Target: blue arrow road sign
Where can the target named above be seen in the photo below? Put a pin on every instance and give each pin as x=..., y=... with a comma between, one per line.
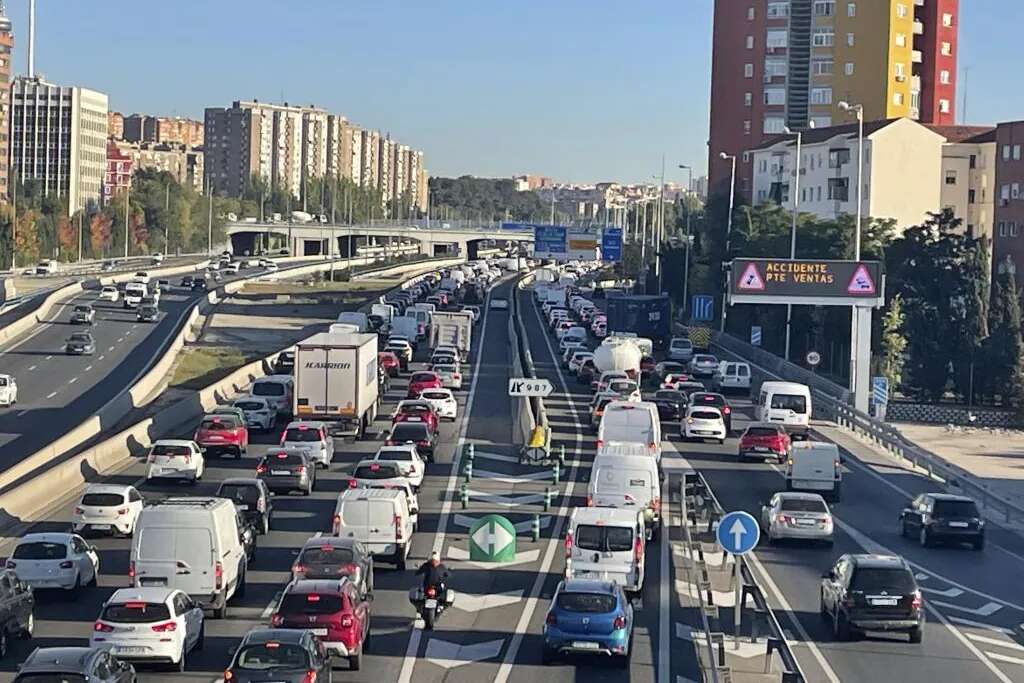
x=703, y=308
x=611, y=244
x=880, y=390
x=738, y=533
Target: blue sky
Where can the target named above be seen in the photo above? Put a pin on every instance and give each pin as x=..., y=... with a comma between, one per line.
x=581, y=90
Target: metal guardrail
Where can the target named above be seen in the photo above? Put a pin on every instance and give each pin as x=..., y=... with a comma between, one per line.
x=835, y=408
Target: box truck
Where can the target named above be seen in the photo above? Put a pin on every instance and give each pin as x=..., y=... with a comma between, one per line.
x=451, y=329
x=648, y=316
x=336, y=381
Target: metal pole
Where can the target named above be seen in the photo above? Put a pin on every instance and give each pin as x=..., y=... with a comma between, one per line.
x=860, y=179
x=737, y=619
x=14, y=220
x=661, y=225
x=209, y=223
x=792, y=232
x=728, y=226
x=167, y=228
x=686, y=262
x=552, y=206
x=127, y=204
x=80, y=215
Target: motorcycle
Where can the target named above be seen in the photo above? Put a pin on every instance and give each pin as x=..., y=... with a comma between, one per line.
x=429, y=605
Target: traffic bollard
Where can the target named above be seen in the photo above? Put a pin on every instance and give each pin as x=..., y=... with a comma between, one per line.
x=470, y=452
x=535, y=528
x=547, y=499
x=556, y=472
x=561, y=453
x=464, y=496
x=468, y=471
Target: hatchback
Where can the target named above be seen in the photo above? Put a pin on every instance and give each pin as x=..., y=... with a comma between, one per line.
x=334, y=611
x=334, y=557
x=74, y=664
x=176, y=459
x=108, y=508
x=311, y=438
x=416, y=410
x=412, y=466
x=150, y=624
x=450, y=374
x=421, y=381
x=671, y=404
x=590, y=618
x=288, y=471
x=390, y=362
x=258, y=412
x=765, y=440
x=386, y=474
x=703, y=422
x=251, y=497
x=442, y=401
x=710, y=400
x=872, y=593
x=279, y=655
x=416, y=433
x=219, y=434
x=704, y=365
x=55, y=560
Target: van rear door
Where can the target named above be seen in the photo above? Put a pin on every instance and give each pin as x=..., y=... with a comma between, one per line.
x=178, y=557
x=620, y=487
x=381, y=521
x=605, y=552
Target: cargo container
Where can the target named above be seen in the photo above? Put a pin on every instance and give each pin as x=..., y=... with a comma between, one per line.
x=451, y=329
x=336, y=381
x=648, y=316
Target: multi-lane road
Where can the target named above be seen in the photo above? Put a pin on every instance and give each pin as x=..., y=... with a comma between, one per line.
x=494, y=631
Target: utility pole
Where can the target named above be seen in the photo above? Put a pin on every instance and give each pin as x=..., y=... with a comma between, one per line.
x=689, y=213
x=80, y=215
x=728, y=226
x=209, y=222
x=14, y=219
x=167, y=228
x=661, y=225
x=127, y=206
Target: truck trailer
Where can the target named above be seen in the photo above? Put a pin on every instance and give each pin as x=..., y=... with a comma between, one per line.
x=336, y=381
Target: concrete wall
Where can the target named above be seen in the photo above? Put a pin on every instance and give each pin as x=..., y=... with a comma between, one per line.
x=905, y=173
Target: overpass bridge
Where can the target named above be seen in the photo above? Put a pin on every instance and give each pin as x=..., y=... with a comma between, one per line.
x=438, y=238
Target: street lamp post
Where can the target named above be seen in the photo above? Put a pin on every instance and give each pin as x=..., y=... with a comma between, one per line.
x=796, y=212
x=728, y=226
x=127, y=206
x=686, y=263
x=858, y=374
x=859, y=110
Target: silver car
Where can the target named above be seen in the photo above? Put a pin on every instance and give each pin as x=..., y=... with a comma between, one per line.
x=450, y=374
x=703, y=365
x=680, y=349
x=803, y=516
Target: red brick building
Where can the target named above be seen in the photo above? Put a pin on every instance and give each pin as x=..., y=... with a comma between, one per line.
x=119, y=172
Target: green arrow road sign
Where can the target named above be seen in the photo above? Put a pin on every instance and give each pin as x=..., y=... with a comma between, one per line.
x=492, y=539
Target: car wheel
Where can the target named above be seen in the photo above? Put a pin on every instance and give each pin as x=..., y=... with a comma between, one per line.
x=841, y=628
x=915, y=634
x=903, y=528
x=264, y=526
x=240, y=588
x=355, y=662
x=924, y=538
x=821, y=605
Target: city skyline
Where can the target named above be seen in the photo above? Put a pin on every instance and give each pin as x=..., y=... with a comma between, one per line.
x=578, y=109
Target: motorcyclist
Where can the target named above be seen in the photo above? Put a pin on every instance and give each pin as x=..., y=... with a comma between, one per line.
x=435, y=575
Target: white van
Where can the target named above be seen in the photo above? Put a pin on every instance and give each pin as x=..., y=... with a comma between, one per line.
x=192, y=544
x=786, y=403
x=732, y=376
x=814, y=466
x=606, y=544
x=360, y=320
x=631, y=449
x=629, y=483
x=631, y=421
x=379, y=519
x=277, y=390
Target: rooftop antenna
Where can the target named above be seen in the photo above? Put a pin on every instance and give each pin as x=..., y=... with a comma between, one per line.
x=31, y=38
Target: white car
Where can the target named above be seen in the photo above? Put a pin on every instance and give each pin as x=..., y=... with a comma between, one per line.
x=577, y=360
x=450, y=350
x=55, y=560
x=8, y=390
x=108, y=507
x=413, y=467
x=258, y=411
x=141, y=276
x=157, y=258
x=795, y=515
x=110, y=293
x=386, y=474
x=176, y=459
x=625, y=389
x=270, y=267
x=152, y=624
x=442, y=401
x=451, y=375
x=311, y=437
x=704, y=422
x=499, y=304
x=234, y=267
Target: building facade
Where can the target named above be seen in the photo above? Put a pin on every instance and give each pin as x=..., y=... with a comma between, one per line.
x=788, y=63
x=6, y=50
x=115, y=125
x=969, y=176
x=119, y=171
x=59, y=137
x=161, y=129
x=1007, y=242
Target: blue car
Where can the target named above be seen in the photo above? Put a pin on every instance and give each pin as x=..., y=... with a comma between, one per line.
x=589, y=617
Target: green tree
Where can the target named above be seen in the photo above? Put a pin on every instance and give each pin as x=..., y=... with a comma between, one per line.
x=1004, y=349
x=894, y=343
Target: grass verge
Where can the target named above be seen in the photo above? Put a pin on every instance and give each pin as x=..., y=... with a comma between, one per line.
x=201, y=366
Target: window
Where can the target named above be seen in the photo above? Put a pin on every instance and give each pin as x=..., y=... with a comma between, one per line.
x=750, y=42
x=849, y=68
x=839, y=189
x=775, y=96
x=901, y=40
x=750, y=14
x=821, y=95
x=776, y=38
x=900, y=70
x=748, y=99
x=821, y=67
x=761, y=196
x=849, y=39
x=774, y=67
x=1006, y=152
x=901, y=10
x=1016, y=152
x=838, y=157
x=746, y=157
x=1012, y=228
x=944, y=106
x=1004, y=193
x=746, y=127
x=951, y=177
x=973, y=161
x=748, y=70
x=777, y=10
x=944, y=77
x=947, y=49
x=823, y=37
x=851, y=9
x=818, y=193
x=1015, y=191
x=824, y=8
x=763, y=166
x=897, y=98
x=773, y=125
x=821, y=122
x=947, y=19
x=970, y=196
x=1002, y=229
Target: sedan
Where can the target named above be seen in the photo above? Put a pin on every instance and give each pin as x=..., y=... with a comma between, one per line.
x=803, y=516
x=108, y=508
x=334, y=557
x=150, y=624
x=704, y=365
x=671, y=404
x=288, y=471
x=110, y=293
x=451, y=376
x=443, y=402
x=421, y=381
x=590, y=618
x=80, y=344
x=55, y=560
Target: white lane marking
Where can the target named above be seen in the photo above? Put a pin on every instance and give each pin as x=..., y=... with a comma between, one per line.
x=505, y=670
x=51, y=394
x=127, y=333
x=986, y=610
x=21, y=413
x=977, y=624
x=31, y=367
x=119, y=340
x=101, y=358
x=49, y=357
x=995, y=641
x=88, y=368
x=664, y=644
x=413, y=648
x=948, y=593
x=269, y=609
x=450, y=655
x=968, y=644
x=112, y=348
x=1005, y=658
x=72, y=380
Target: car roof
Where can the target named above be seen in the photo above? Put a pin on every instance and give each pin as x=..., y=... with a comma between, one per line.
x=799, y=495
x=67, y=659
x=333, y=541
x=316, y=585
x=366, y=494
x=692, y=407
x=588, y=586
x=242, y=481
x=172, y=442
x=878, y=561
x=282, y=635
x=107, y=488
x=250, y=398
x=299, y=424
x=397, y=447
x=46, y=537
x=147, y=594
x=602, y=515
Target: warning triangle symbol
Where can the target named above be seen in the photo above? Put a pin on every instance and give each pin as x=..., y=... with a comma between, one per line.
x=751, y=279
x=861, y=282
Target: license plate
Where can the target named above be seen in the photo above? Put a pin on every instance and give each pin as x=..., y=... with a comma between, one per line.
x=884, y=602
x=583, y=645
x=280, y=472
x=958, y=525
x=805, y=522
x=101, y=527
x=701, y=431
x=319, y=631
x=155, y=581
x=430, y=604
x=761, y=449
x=131, y=650
x=243, y=507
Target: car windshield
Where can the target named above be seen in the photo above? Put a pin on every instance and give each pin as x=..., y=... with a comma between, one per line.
x=669, y=396
x=877, y=579
x=708, y=399
x=40, y=550
x=326, y=554
x=762, y=431
x=803, y=505
x=272, y=655
x=136, y=612
x=166, y=449
x=82, y=309
x=604, y=538
x=682, y=344
x=955, y=508
x=309, y=603
x=102, y=499
x=217, y=425
x=284, y=460
x=435, y=395
x=422, y=377
x=589, y=603
x=243, y=493
x=704, y=360
x=377, y=471
x=445, y=368
x=409, y=431
x=301, y=435
x=81, y=338
x=250, y=405
x=794, y=402
x=394, y=454
x=268, y=389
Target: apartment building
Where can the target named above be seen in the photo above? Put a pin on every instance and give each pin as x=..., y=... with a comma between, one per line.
x=788, y=63
x=118, y=177
x=59, y=137
x=1007, y=240
x=161, y=129
x=115, y=125
x=6, y=49
x=969, y=176
x=385, y=169
x=370, y=152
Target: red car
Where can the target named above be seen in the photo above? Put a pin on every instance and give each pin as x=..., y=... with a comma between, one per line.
x=421, y=381
x=223, y=434
x=333, y=610
x=389, y=362
x=416, y=411
x=764, y=440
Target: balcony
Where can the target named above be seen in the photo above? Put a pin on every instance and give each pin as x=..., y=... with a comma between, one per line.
x=918, y=28
x=916, y=57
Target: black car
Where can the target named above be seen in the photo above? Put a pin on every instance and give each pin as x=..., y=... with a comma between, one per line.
x=16, y=605
x=80, y=344
x=147, y=313
x=284, y=364
x=288, y=471
x=96, y=665
x=938, y=517
x=706, y=398
x=279, y=654
x=332, y=557
x=199, y=284
x=187, y=282
x=671, y=404
x=252, y=497
x=872, y=593
x=414, y=433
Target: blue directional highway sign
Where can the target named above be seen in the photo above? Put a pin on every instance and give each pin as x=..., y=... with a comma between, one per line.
x=738, y=533
x=703, y=308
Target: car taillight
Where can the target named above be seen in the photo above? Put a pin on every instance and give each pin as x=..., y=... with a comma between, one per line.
x=422, y=443
x=568, y=544
x=784, y=519
x=165, y=627
x=298, y=569
x=100, y=627
x=123, y=511
x=431, y=592
x=276, y=620
x=302, y=469
x=131, y=569
x=916, y=602
x=310, y=677
x=397, y=521
x=352, y=483
x=652, y=445
x=638, y=550
x=188, y=459
x=151, y=458
x=218, y=574
x=67, y=564
x=619, y=623
x=551, y=619
x=456, y=376
x=228, y=675
x=349, y=569
x=655, y=504
x=600, y=442
x=261, y=505
x=261, y=469
x=79, y=511
x=11, y=564
x=726, y=410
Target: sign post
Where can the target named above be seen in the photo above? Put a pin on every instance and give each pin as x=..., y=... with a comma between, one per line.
x=738, y=534
x=813, y=359
x=492, y=539
x=529, y=386
x=880, y=395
